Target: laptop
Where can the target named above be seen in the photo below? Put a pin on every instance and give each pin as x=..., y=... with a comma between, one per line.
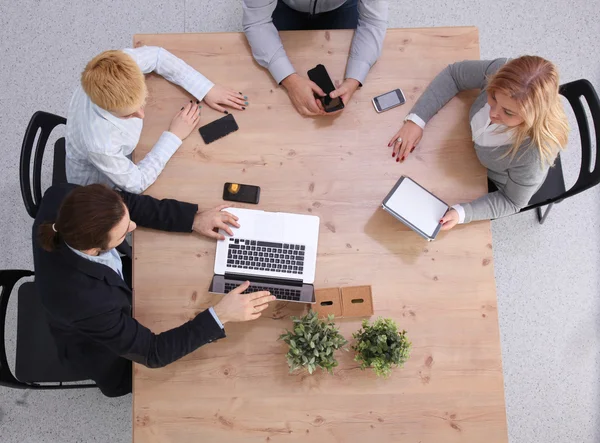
x=274, y=251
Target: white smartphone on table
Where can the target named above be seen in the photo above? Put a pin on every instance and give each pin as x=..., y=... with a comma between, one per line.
x=389, y=100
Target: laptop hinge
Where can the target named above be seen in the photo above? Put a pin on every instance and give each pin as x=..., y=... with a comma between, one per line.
x=263, y=279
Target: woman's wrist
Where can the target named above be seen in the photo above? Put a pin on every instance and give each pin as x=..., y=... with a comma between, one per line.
x=461, y=213
x=415, y=119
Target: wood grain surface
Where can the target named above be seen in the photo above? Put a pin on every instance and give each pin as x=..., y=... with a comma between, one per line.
x=339, y=168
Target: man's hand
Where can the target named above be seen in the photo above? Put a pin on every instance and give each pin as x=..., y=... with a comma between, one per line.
x=302, y=94
x=185, y=120
x=206, y=222
x=236, y=306
x=346, y=90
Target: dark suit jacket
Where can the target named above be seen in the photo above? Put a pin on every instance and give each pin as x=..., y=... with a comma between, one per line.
x=89, y=305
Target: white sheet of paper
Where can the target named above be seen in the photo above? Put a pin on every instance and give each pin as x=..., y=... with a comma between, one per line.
x=417, y=206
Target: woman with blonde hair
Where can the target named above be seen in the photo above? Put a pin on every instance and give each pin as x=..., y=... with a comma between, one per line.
x=518, y=126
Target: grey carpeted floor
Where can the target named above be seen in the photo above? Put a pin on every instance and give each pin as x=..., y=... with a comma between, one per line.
x=547, y=276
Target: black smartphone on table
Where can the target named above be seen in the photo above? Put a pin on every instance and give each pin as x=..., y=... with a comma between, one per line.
x=236, y=192
x=218, y=129
x=320, y=76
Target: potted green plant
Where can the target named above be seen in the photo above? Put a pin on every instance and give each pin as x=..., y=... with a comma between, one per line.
x=380, y=346
x=312, y=343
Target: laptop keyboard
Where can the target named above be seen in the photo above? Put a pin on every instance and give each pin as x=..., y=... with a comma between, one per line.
x=279, y=293
x=265, y=256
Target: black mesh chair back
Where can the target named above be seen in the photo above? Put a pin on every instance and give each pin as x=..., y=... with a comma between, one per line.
x=554, y=190
x=31, y=186
x=37, y=357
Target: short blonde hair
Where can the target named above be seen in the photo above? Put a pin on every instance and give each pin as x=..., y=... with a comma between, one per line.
x=533, y=83
x=114, y=81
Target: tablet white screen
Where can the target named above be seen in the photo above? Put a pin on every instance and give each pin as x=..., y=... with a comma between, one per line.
x=417, y=206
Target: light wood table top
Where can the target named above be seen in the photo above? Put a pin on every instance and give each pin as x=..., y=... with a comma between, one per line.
x=339, y=168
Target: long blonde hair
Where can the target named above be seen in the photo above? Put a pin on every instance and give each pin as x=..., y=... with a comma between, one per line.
x=533, y=83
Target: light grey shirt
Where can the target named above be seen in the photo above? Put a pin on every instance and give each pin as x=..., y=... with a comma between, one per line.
x=268, y=49
x=517, y=178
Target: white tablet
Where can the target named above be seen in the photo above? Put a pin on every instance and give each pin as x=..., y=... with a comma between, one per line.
x=416, y=207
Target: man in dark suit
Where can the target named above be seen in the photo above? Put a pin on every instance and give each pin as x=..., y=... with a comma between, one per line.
x=85, y=286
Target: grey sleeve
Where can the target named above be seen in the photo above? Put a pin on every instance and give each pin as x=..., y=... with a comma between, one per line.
x=523, y=182
x=460, y=76
x=263, y=38
x=367, y=42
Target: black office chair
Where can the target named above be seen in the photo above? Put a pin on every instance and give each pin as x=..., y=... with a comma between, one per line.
x=45, y=123
x=553, y=190
x=37, y=357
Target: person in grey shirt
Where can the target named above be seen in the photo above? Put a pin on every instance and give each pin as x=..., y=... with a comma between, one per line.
x=517, y=122
x=264, y=18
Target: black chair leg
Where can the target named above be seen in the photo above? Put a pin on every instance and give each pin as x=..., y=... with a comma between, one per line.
x=542, y=217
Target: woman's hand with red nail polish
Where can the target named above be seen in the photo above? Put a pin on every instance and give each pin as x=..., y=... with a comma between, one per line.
x=409, y=135
x=449, y=220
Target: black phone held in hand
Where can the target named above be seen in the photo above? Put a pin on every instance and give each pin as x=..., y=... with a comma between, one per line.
x=236, y=192
x=320, y=76
x=218, y=129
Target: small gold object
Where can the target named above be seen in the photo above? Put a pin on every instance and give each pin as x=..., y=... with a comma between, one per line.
x=234, y=188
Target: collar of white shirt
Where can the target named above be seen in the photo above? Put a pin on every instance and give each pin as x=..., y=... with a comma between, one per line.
x=486, y=133
x=124, y=124
x=111, y=258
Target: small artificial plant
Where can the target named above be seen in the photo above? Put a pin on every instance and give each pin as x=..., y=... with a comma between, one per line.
x=380, y=346
x=312, y=343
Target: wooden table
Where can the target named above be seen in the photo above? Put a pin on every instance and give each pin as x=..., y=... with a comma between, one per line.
x=339, y=168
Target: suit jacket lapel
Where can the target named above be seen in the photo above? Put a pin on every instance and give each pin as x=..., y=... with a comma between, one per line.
x=125, y=249
x=96, y=270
